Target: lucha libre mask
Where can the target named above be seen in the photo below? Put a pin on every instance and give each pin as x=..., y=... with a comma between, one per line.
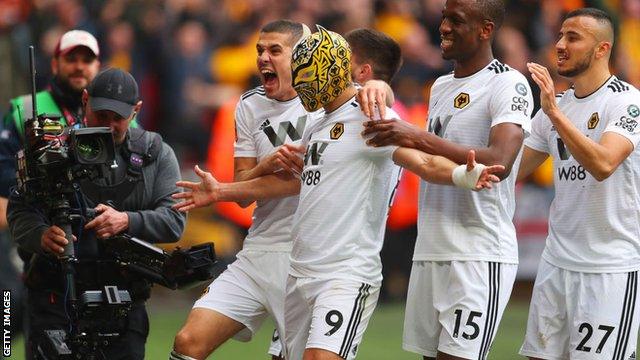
x=321, y=66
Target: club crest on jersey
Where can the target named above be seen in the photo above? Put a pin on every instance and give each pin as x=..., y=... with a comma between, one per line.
x=461, y=100
x=594, y=119
x=633, y=110
x=336, y=131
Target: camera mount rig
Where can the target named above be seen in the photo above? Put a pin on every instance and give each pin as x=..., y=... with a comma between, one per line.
x=50, y=167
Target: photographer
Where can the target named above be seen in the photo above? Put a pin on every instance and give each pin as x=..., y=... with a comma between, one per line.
x=133, y=198
x=74, y=64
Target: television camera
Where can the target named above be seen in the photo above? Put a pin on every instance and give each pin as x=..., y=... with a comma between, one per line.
x=50, y=167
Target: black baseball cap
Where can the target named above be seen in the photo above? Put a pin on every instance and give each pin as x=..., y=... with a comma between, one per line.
x=113, y=89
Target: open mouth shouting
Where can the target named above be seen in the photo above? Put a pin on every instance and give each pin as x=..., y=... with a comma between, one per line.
x=269, y=79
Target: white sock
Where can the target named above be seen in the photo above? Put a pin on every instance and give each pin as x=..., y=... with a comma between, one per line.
x=177, y=356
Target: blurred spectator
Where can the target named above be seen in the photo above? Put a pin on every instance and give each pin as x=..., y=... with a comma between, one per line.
x=187, y=67
x=14, y=36
x=628, y=57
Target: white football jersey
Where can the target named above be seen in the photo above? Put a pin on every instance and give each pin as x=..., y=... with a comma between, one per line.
x=459, y=224
x=346, y=190
x=262, y=125
x=593, y=226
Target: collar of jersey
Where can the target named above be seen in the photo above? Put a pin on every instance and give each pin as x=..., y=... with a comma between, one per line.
x=465, y=78
x=341, y=107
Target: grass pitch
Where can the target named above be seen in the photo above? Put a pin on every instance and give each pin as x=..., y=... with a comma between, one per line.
x=382, y=341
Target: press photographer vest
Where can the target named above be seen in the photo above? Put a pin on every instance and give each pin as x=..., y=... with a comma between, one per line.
x=22, y=108
x=141, y=148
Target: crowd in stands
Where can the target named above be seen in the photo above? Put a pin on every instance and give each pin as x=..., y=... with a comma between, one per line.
x=194, y=56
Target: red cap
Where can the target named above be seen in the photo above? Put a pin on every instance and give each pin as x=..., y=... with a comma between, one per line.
x=74, y=38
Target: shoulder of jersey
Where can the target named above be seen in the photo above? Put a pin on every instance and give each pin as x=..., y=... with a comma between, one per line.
x=618, y=86
x=499, y=68
x=442, y=78
x=348, y=113
x=505, y=72
x=255, y=91
x=354, y=105
x=440, y=81
x=563, y=93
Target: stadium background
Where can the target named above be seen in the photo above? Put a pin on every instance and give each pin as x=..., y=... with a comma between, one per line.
x=193, y=58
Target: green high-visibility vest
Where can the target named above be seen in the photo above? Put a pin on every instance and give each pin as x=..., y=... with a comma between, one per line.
x=22, y=108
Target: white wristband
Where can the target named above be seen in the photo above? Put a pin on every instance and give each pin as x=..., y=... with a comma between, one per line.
x=467, y=179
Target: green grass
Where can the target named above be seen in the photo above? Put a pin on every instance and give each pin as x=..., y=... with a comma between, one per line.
x=382, y=341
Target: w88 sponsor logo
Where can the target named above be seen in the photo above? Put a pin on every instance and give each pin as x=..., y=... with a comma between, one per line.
x=311, y=177
x=572, y=173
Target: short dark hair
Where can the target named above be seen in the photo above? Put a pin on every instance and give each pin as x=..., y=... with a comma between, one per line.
x=601, y=16
x=284, y=26
x=492, y=10
x=377, y=48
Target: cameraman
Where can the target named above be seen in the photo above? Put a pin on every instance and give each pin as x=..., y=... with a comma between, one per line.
x=139, y=190
x=74, y=64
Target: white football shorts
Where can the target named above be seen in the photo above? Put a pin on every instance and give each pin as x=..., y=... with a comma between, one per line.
x=329, y=314
x=249, y=290
x=577, y=315
x=455, y=307
x=275, y=348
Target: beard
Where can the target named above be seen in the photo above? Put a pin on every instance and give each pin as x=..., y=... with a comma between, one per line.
x=581, y=66
x=66, y=86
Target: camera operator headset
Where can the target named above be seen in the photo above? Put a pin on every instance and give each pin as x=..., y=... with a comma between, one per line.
x=139, y=193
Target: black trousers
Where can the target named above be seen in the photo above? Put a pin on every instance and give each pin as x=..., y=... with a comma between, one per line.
x=45, y=311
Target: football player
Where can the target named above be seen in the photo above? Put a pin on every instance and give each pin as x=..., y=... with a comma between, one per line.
x=345, y=189
x=584, y=303
x=466, y=254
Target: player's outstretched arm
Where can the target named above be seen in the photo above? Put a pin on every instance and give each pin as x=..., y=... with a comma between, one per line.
x=440, y=170
x=209, y=190
x=601, y=158
x=505, y=140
